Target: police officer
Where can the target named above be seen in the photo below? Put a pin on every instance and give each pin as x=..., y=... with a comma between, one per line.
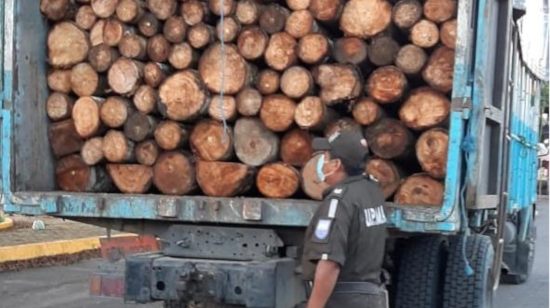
x=345, y=242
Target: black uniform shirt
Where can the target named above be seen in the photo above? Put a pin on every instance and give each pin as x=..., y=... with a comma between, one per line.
x=348, y=228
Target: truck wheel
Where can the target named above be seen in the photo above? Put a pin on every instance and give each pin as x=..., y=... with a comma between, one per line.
x=420, y=276
x=526, y=252
x=476, y=290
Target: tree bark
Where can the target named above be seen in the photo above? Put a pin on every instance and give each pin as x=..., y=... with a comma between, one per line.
x=171, y=135
x=114, y=30
x=101, y=57
x=278, y=180
x=229, y=108
x=147, y=152
x=56, y=10
x=162, y=9
x=85, y=80
x=235, y=71
x=131, y=179
x=255, y=145
x=312, y=114
x=104, y=8
x=146, y=99
x=154, y=73
x=365, y=18
x=339, y=125
x=301, y=23
x=125, y=76
x=64, y=139
x=439, y=70
x=96, y=33
x=425, y=108
x=296, y=147
x=389, y=139
x=201, y=35
x=297, y=82
x=158, y=48
x=67, y=45
x=440, y=10
x=386, y=84
x=252, y=43
x=86, y=116
x=175, y=29
x=92, y=151
x=338, y=83
x=277, y=112
x=183, y=96
x=448, y=33
x=350, y=50
x=133, y=46
x=148, y=25
x=85, y=17
x=366, y=111
x=115, y=111
x=209, y=141
x=425, y=34
x=268, y=81
x=383, y=50
x=139, y=127
x=281, y=51
x=431, y=151
x=387, y=173
x=60, y=81
x=248, y=12
x=194, y=12
x=130, y=11
x=117, y=148
x=59, y=106
x=221, y=179
x=72, y=174
x=249, y=102
x=313, y=48
x=411, y=59
x=310, y=182
x=406, y=13
x=327, y=11
x=228, y=7
x=273, y=18
x=183, y=56
x=231, y=30
x=420, y=189
x=174, y=173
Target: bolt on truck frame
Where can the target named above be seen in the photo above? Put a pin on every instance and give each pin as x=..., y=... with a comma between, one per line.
x=246, y=251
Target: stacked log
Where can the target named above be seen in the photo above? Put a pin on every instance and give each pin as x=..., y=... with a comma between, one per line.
x=161, y=95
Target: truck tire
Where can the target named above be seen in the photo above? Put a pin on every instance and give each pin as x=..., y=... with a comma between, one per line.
x=476, y=290
x=420, y=275
x=524, y=250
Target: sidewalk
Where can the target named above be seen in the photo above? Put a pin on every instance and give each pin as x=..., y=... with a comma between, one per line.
x=61, y=242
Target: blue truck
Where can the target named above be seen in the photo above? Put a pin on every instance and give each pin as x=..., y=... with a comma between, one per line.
x=246, y=251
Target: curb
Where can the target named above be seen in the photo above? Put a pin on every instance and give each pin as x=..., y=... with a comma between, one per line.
x=48, y=249
x=6, y=224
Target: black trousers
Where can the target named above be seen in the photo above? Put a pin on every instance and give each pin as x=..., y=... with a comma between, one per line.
x=356, y=300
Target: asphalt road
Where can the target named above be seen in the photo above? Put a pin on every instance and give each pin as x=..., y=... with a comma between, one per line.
x=67, y=287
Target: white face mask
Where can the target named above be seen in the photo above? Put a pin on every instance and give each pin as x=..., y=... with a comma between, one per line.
x=320, y=174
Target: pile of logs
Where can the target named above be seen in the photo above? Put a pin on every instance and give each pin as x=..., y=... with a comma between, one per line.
x=160, y=96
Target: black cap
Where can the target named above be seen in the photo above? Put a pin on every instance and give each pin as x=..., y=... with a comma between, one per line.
x=348, y=146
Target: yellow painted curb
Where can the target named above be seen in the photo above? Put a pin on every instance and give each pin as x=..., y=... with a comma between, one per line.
x=6, y=224
x=48, y=249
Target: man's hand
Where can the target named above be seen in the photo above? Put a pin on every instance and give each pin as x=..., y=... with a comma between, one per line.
x=326, y=275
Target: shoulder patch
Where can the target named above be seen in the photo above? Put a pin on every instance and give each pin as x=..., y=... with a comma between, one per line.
x=322, y=230
x=375, y=216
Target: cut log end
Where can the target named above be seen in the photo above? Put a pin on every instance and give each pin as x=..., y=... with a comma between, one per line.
x=338, y=83
x=389, y=139
x=431, y=151
x=406, y=13
x=231, y=29
x=300, y=23
x=235, y=70
x=255, y=145
x=387, y=174
x=249, y=102
x=113, y=31
x=117, y=148
x=85, y=17
x=226, y=6
x=313, y=48
x=182, y=56
x=171, y=135
x=252, y=43
x=194, y=12
x=131, y=179
x=383, y=50
x=146, y=99
x=162, y=9
x=67, y=45
x=59, y=106
x=154, y=73
x=200, y=35
x=114, y=111
x=86, y=115
x=223, y=110
x=273, y=18
x=183, y=96
x=326, y=11
x=175, y=29
x=268, y=82
x=133, y=46
x=281, y=51
x=158, y=48
x=342, y=124
x=296, y=148
x=296, y=82
x=420, y=189
x=425, y=108
x=439, y=70
x=386, y=84
x=277, y=112
x=297, y=5
x=221, y=179
x=96, y=33
x=411, y=59
x=92, y=151
x=104, y=8
x=365, y=18
x=210, y=141
x=350, y=50
x=425, y=34
x=60, y=81
x=278, y=180
x=147, y=152
x=64, y=139
x=247, y=12
x=130, y=11
x=174, y=174
x=55, y=10
x=101, y=57
x=448, y=33
x=85, y=81
x=311, y=113
x=366, y=111
x=148, y=25
x=125, y=76
x=139, y=127
x=440, y=10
